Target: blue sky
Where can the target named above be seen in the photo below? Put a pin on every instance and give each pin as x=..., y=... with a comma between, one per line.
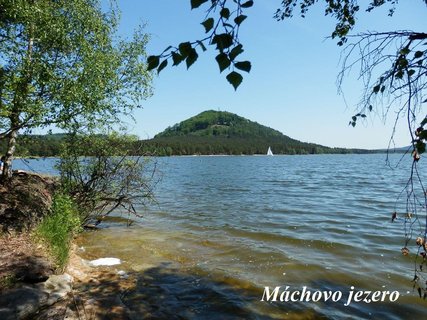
x=292, y=84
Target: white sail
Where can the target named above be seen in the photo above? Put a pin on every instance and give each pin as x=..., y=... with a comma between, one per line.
x=269, y=152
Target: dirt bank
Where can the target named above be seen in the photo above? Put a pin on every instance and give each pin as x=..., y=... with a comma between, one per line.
x=25, y=200
x=23, y=203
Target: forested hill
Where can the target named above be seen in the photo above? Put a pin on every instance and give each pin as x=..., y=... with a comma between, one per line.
x=210, y=132
x=220, y=123
x=220, y=132
x=48, y=145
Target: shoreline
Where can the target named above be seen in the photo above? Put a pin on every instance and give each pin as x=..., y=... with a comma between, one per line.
x=368, y=152
x=97, y=291
x=80, y=291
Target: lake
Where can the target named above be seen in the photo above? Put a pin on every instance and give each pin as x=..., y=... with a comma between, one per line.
x=226, y=227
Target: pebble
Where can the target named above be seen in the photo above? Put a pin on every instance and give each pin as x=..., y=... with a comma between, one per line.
x=122, y=274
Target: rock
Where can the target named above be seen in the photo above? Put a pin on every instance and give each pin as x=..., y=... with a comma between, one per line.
x=90, y=226
x=58, y=287
x=36, y=269
x=59, y=282
x=122, y=274
x=58, y=311
x=25, y=302
x=7, y=313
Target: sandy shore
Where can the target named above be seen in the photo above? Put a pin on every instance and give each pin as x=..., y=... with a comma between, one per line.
x=96, y=292
x=30, y=290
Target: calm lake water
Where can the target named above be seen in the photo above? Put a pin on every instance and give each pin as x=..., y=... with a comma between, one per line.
x=224, y=228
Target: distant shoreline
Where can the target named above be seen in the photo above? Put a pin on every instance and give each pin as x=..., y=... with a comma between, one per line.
x=233, y=155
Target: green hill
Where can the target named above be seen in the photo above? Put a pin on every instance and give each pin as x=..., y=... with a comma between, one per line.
x=220, y=123
x=220, y=132
x=210, y=132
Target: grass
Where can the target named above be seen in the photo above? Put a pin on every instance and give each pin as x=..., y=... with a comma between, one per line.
x=58, y=228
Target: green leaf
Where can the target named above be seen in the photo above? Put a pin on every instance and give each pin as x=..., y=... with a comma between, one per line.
x=167, y=49
x=185, y=48
x=404, y=51
x=239, y=19
x=370, y=108
x=223, y=61
x=247, y=4
x=192, y=57
x=225, y=13
x=162, y=66
x=243, y=65
x=423, y=134
x=208, y=24
x=403, y=63
x=421, y=147
x=235, y=79
x=223, y=41
x=153, y=62
x=177, y=58
x=424, y=122
x=411, y=72
x=376, y=89
x=197, y=3
x=235, y=52
x=418, y=54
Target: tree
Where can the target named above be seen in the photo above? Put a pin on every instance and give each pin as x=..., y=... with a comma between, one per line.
x=101, y=174
x=62, y=64
x=393, y=66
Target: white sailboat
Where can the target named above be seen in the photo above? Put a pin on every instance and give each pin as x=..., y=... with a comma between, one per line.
x=269, y=152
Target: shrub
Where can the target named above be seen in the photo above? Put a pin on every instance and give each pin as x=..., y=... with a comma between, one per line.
x=102, y=175
x=58, y=227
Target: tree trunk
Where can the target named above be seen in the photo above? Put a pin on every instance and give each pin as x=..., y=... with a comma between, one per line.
x=7, y=165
